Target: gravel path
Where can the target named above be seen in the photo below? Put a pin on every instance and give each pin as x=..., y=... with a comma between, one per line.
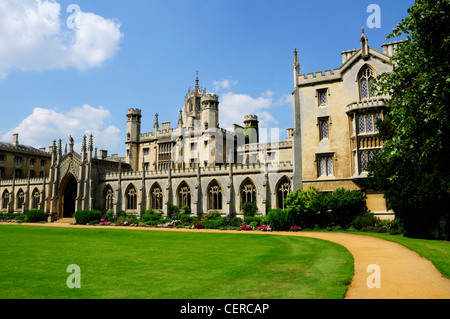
x=403, y=274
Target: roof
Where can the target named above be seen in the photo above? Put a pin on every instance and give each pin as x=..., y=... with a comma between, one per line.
x=23, y=149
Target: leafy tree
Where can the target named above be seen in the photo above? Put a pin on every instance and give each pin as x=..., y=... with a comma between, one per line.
x=413, y=168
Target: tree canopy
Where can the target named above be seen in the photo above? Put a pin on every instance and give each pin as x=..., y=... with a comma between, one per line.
x=413, y=168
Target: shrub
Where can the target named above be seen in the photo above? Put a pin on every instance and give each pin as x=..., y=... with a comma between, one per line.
x=364, y=220
x=295, y=228
x=211, y=215
x=83, y=217
x=280, y=219
x=212, y=223
x=186, y=209
x=35, y=216
x=249, y=209
x=346, y=205
x=150, y=216
x=185, y=218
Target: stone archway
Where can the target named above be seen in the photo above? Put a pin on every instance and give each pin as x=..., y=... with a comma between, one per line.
x=68, y=197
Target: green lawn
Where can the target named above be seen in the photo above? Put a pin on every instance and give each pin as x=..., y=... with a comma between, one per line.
x=125, y=263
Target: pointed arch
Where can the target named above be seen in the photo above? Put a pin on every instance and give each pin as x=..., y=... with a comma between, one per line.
x=108, y=195
x=20, y=199
x=215, y=195
x=366, y=82
x=131, y=197
x=68, y=193
x=248, y=191
x=5, y=199
x=184, y=194
x=282, y=189
x=36, y=198
x=156, y=196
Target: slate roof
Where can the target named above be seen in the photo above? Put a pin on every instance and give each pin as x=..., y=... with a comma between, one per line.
x=23, y=149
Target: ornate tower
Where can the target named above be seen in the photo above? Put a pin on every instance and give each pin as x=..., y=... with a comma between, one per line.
x=133, y=137
x=210, y=111
x=251, y=129
x=192, y=104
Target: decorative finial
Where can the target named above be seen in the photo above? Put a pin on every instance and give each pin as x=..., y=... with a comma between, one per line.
x=156, y=124
x=196, y=81
x=180, y=118
x=296, y=63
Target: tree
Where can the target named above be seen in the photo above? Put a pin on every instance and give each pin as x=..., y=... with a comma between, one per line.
x=413, y=167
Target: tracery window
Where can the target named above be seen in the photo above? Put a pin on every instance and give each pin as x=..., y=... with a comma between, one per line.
x=20, y=199
x=131, y=198
x=248, y=192
x=215, y=196
x=36, y=199
x=109, y=199
x=5, y=199
x=184, y=195
x=284, y=188
x=366, y=83
x=156, y=196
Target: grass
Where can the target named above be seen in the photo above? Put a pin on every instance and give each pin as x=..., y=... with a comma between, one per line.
x=436, y=251
x=141, y=264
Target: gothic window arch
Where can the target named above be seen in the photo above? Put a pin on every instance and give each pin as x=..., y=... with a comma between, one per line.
x=366, y=81
x=36, y=199
x=283, y=189
x=131, y=196
x=5, y=199
x=215, y=195
x=184, y=195
x=109, y=198
x=20, y=199
x=248, y=192
x=156, y=197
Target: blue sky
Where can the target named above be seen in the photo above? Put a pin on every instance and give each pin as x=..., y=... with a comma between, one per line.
x=56, y=81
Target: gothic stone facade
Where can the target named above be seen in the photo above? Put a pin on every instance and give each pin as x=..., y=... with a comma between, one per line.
x=198, y=164
x=335, y=116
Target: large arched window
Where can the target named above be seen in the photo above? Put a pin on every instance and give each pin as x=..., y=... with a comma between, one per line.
x=109, y=198
x=20, y=199
x=156, y=196
x=184, y=195
x=283, y=189
x=248, y=192
x=36, y=199
x=366, y=83
x=214, y=196
x=5, y=199
x=131, y=198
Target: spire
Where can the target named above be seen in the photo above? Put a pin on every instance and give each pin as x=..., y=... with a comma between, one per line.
x=364, y=44
x=156, y=124
x=196, y=82
x=296, y=63
x=296, y=67
x=180, y=118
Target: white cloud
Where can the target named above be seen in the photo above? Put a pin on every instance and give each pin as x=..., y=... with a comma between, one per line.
x=233, y=108
x=223, y=84
x=33, y=36
x=44, y=125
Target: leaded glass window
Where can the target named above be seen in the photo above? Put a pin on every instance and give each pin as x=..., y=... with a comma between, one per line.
x=367, y=83
x=369, y=123
x=5, y=199
x=363, y=161
x=323, y=97
x=109, y=199
x=323, y=129
x=326, y=166
x=361, y=124
x=20, y=199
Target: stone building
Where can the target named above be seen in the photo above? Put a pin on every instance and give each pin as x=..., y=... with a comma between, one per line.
x=198, y=164
x=335, y=122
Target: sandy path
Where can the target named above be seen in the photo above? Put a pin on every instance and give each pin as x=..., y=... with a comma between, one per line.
x=403, y=273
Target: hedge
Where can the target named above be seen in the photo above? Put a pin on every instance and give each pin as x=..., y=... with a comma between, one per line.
x=83, y=217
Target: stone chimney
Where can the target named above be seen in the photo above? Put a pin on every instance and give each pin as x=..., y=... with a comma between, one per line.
x=103, y=154
x=15, y=140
